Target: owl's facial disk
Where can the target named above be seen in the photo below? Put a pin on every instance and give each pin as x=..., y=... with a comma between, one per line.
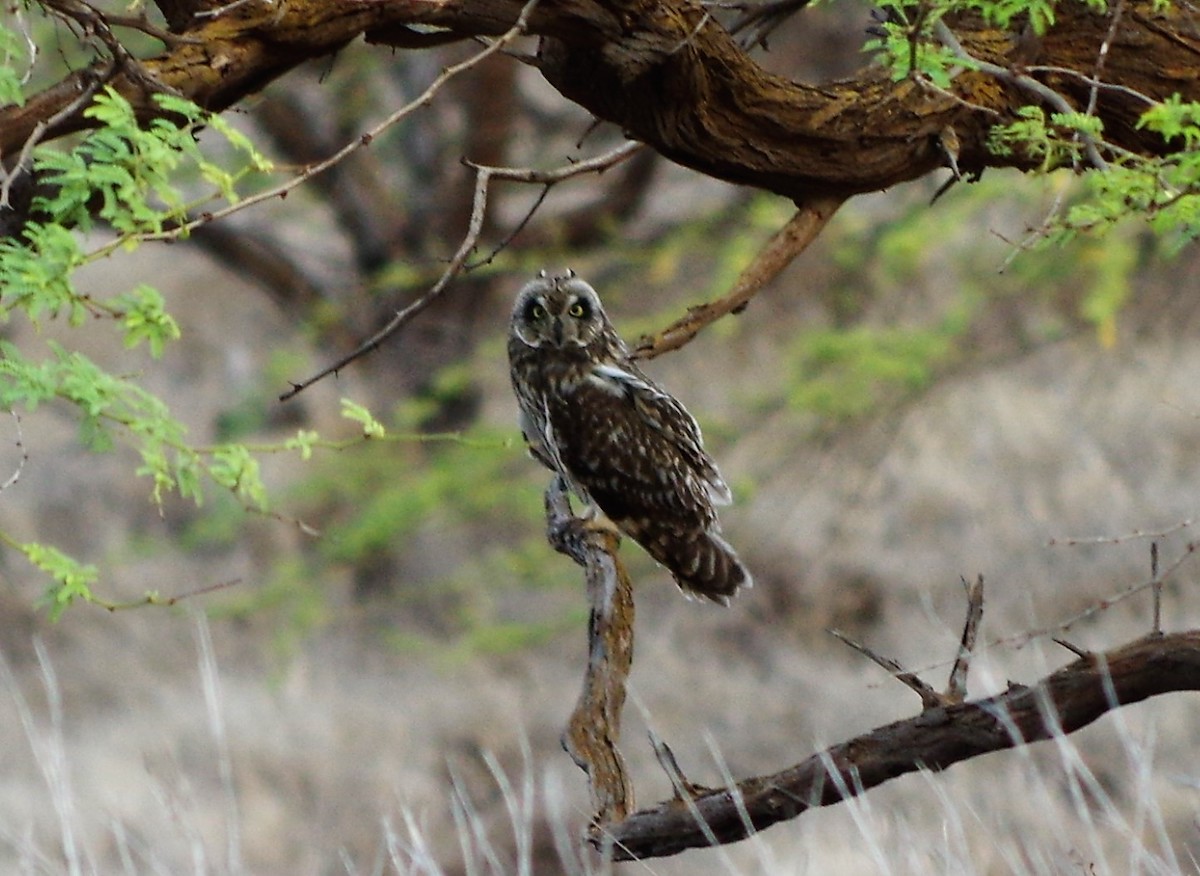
x=563, y=316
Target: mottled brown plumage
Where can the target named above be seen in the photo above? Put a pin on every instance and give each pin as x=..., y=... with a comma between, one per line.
x=622, y=443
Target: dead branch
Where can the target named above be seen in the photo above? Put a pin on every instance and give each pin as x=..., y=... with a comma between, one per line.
x=956, y=687
x=595, y=727
x=406, y=314
x=1063, y=702
x=931, y=698
x=779, y=252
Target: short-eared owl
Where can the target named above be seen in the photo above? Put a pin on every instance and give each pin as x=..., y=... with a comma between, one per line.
x=623, y=444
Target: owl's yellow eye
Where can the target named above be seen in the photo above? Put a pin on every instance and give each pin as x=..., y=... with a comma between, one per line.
x=578, y=310
x=537, y=311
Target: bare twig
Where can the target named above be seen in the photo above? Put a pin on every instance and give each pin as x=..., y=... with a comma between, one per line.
x=1093, y=83
x=153, y=597
x=1074, y=649
x=930, y=698
x=548, y=179
x=1118, y=8
x=405, y=315
x=956, y=688
x=1053, y=631
x=474, y=227
x=685, y=789
x=220, y=10
x=92, y=22
x=598, y=164
x=1156, y=589
x=7, y=178
x=1070, y=541
x=787, y=243
x=1063, y=702
x=20, y=444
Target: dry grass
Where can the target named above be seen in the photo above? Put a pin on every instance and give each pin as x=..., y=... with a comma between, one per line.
x=228, y=776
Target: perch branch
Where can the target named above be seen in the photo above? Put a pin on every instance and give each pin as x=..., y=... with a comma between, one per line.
x=594, y=729
x=787, y=243
x=1066, y=700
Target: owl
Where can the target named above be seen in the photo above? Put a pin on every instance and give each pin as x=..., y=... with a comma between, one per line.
x=622, y=443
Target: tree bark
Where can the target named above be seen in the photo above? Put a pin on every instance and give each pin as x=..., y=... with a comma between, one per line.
x=670, y=75
x=1063, y=702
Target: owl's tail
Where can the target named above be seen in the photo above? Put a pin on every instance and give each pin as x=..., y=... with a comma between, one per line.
x=702, y=563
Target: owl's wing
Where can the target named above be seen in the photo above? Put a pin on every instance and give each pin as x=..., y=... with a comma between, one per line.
x=664, y=420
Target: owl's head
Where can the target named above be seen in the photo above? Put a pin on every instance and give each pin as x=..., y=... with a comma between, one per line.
x=561, y=312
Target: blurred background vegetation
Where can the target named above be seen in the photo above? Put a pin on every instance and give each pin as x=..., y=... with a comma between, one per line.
x=922, y=394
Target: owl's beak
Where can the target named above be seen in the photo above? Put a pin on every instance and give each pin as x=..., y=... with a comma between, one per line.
x=558, y=332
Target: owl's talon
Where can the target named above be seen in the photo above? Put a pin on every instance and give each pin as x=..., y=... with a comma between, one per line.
x=593, y=521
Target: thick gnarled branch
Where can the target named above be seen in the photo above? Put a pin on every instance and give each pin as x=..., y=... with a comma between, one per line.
x=1063, y=702
x=671, y=76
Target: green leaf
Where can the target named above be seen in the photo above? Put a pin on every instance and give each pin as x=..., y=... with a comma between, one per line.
x=235, y=469
x=371, y=427
x=303, y=441
x=13, y=51
x=72, y=579
x=145, y=319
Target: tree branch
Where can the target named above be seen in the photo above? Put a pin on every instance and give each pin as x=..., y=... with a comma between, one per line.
x=595, y=727
x=1063, y=702
x=779, y=252
x=668, y=74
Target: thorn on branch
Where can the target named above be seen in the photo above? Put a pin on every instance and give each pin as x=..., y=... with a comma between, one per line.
x=685, y=789
x=1074, y=649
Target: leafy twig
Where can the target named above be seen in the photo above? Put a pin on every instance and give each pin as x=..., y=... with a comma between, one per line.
x=1026, y=83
